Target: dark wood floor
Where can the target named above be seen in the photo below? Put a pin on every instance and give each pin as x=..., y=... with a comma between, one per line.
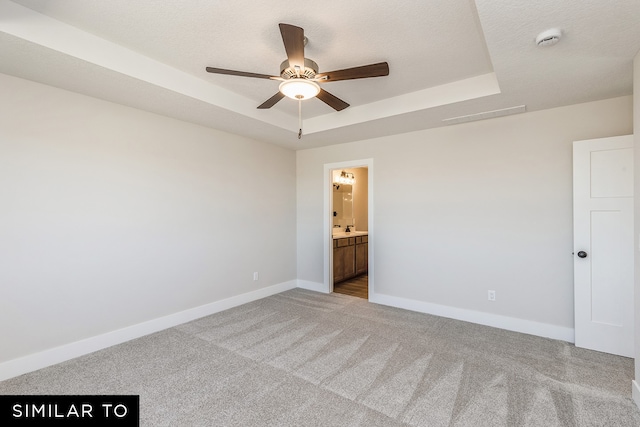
x=356, y=287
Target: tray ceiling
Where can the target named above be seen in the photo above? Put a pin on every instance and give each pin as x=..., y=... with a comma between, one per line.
x=446, y=59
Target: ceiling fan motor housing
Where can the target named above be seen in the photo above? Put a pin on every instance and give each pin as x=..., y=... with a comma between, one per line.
x=309, y=72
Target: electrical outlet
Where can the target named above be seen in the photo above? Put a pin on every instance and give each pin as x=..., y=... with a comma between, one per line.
x=491, y=295
x=255, y=275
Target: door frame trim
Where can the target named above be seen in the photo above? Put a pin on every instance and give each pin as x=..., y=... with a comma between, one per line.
x=327, y=220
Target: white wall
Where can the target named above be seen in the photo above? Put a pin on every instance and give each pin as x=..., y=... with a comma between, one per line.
x=636, y=125
x=110, y=216
x=463, y=209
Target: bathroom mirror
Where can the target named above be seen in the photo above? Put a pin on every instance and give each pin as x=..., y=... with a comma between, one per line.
x=342, y=205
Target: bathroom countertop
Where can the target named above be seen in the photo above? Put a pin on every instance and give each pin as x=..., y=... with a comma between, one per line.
x=342, y=234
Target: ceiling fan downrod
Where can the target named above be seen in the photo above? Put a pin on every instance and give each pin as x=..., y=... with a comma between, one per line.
x=299, y=117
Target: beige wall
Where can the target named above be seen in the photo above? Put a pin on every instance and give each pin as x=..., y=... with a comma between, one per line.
x=360, y=199
x=463, y=209
x=112, y=217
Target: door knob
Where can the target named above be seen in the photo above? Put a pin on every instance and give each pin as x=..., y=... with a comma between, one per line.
x=582, y=254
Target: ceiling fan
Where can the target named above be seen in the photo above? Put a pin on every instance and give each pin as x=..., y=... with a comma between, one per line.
x=299, y=76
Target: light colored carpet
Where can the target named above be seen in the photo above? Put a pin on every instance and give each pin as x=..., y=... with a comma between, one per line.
x=302, y=358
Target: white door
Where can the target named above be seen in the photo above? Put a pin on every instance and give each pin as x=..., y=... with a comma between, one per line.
x=603, y=244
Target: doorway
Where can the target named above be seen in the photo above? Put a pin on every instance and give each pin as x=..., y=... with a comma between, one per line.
x=348, y=226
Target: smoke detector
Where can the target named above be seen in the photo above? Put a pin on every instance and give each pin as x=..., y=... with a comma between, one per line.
x=549, y=37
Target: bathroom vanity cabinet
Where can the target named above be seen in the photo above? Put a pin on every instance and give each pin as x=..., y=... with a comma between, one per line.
x=362, y=255
x=350, y=257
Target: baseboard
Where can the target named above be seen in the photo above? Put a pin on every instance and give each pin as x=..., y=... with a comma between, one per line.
x=32, y=362
x=635, y=392
x=313, y=286
x=488, y=319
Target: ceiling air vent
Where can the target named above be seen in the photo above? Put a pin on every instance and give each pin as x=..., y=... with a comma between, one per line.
x=485, y=115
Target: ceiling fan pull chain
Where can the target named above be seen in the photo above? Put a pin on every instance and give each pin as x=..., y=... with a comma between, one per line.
x=300, y=118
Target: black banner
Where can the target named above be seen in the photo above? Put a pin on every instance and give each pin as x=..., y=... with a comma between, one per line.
x=68, y=410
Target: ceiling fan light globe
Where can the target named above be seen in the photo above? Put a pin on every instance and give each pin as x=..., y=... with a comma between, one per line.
x=299, y=88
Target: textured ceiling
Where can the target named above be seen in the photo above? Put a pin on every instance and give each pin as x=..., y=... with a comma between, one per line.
x=446, y=59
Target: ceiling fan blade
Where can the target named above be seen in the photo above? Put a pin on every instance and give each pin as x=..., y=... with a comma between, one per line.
x=239, y=73
x=293, y=39
x=332, y=100
x=271, y=101
x=373, y=70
